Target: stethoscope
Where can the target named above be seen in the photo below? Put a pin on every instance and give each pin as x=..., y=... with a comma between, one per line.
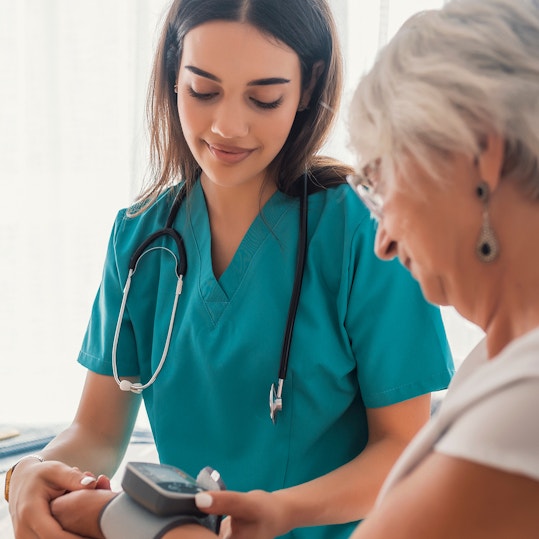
x=276, y=391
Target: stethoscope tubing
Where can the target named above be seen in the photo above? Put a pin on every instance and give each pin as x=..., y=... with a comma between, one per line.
x=181, y=270
x=298, y=280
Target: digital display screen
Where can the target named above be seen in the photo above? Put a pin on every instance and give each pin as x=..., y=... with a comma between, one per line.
x=164, y=475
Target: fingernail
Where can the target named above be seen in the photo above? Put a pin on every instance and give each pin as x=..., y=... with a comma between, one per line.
x=203, y=500
x=87, y=480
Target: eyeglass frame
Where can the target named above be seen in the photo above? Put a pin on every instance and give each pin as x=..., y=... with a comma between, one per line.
x=365, y=188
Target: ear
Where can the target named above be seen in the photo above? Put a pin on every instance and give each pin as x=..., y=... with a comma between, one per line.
x=317, y=70
x=491, y=160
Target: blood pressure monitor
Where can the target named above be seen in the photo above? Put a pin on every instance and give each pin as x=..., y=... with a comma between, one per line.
x=165, y=490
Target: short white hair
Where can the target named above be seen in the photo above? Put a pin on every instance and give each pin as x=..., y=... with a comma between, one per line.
x=447, y=79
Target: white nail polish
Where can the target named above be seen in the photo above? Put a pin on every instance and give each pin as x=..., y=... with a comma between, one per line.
x=203, y=500
x=87, y=480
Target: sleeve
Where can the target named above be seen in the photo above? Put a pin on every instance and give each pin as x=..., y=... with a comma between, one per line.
x=397, y=337
x=96, y=350
x=500, y=431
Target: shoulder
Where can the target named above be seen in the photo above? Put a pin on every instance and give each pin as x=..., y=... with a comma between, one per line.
x=341, y=230
x=132, y=221
x=338, y=207
x=506, y=388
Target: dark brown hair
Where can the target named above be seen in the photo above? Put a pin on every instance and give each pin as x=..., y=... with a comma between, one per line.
x=308, y=28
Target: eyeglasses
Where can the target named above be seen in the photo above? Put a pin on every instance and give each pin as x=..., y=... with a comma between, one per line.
x=365, y=185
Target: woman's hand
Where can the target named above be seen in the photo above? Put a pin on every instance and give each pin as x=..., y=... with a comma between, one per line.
x=252, y=515
x=33, y=486
x=78, y=512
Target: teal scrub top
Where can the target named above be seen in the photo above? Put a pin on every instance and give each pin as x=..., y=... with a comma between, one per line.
x=364, y=337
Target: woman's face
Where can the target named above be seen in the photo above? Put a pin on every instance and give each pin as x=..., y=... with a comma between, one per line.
x=433, y=228
x=238, y=94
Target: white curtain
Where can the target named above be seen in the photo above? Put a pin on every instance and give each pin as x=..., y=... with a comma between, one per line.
x=73, y=84
x=365, y=26
x=73, y=151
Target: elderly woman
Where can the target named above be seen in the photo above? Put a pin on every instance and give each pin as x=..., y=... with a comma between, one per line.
x=446, y=127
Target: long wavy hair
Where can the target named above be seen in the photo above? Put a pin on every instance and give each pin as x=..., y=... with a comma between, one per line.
x=308, y=28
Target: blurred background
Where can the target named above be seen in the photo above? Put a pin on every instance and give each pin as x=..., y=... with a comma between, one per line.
x=73, y=150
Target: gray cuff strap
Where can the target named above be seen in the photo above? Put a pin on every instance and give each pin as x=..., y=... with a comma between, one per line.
x=122, y=517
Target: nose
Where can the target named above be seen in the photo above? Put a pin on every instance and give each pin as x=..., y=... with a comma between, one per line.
x=384, y=247
x=230, y=120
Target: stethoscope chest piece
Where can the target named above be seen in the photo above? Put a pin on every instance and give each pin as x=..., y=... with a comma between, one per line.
x=276, y=400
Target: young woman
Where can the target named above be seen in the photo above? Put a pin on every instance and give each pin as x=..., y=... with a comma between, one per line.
x=280, y=287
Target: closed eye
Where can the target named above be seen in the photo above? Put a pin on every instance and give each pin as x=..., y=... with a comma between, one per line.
x=265, y=105
x=201, y=96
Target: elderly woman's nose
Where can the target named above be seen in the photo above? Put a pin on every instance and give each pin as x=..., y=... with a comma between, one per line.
x=384, y=247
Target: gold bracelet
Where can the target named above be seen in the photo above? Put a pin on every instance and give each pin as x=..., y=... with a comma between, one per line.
x=10, y=473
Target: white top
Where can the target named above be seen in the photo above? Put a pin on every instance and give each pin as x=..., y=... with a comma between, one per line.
x=489, y=414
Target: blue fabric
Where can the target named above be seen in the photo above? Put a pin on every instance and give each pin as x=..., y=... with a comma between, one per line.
x=364, y=337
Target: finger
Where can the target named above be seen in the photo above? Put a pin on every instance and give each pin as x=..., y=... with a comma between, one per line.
x=103, y=482
x=226, y=503
x=88, y=479
x=225, y=531
x=60, y=478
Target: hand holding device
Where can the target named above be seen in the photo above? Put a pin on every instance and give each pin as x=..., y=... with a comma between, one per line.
x=165, y=490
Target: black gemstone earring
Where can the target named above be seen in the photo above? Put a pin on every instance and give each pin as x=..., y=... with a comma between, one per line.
x=487, y=248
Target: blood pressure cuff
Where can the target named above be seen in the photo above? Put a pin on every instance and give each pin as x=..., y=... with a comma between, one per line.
x=124, y=518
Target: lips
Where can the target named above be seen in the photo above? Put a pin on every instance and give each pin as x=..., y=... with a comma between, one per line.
x=228, y=154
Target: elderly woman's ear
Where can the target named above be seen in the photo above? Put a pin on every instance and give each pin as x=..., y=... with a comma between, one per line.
x=490, y=160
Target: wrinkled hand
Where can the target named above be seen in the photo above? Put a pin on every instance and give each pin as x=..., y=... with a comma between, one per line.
x=252, y=515
x=78, y=512
x=33, y=486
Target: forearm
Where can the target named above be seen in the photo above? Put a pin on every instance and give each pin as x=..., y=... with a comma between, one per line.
x=345, y=494
x=82, y=447
x=349, y=492
x=97, y=439
x=190, y=531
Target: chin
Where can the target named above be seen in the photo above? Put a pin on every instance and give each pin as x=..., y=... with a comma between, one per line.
x=434, y=291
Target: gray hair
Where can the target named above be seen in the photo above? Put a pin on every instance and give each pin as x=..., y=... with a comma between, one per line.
x=447, y=79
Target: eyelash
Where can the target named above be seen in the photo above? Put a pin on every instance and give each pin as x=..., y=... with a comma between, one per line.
x=260, y=104
x=267, y=106
x=201, y=97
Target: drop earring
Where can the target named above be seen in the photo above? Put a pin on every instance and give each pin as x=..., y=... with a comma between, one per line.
x=487, y=248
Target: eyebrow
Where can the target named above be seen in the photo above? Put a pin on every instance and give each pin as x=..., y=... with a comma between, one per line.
x=258, y=82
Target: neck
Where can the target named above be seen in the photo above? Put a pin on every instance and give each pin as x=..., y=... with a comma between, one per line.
x=513, y=289
x=236, y=202
x=231, y=211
